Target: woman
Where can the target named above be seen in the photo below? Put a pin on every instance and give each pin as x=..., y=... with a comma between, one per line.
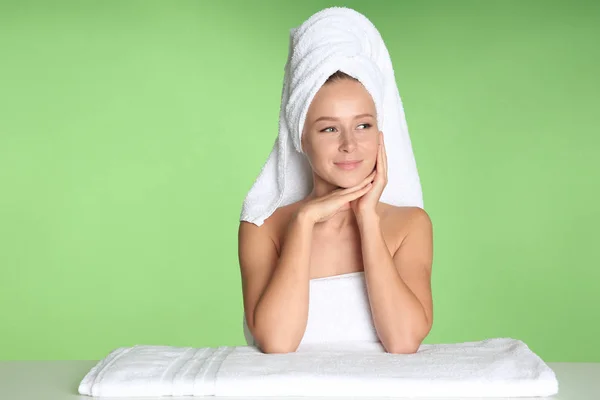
x=340, y=229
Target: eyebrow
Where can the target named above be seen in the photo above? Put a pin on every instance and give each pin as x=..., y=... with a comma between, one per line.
x=337, y=119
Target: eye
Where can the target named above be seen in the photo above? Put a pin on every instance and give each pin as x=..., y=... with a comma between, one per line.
x=367, y=126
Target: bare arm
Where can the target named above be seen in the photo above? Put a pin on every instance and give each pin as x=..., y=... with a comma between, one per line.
x=276, y=289
x=399, y=285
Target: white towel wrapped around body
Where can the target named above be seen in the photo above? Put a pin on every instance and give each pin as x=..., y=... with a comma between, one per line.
x=336, y=38
x=498, y=367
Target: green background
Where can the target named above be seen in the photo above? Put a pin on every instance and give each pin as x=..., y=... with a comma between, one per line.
x=130, y=132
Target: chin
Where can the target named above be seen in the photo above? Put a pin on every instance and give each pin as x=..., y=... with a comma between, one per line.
x=347, y=179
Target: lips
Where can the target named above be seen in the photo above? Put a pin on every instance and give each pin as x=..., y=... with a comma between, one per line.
x=348, y=165
x=349, y=162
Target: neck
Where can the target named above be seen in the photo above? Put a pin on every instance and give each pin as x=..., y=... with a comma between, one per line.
x=344, y=220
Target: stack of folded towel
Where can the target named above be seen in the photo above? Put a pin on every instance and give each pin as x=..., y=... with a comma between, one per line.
x=498, y=367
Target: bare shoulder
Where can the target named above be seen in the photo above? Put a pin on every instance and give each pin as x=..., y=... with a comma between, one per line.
x=414, y=215
x=406, y=215
x=275, y=225
x=401, y=220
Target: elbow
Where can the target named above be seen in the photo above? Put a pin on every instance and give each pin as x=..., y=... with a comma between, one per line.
x=277, y=348
x=271, y=340
x=403, y=348
x=410, y=344
x=270, y=344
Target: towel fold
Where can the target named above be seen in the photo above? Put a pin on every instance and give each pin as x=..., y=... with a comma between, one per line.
x=498, y=367
x=335, y=38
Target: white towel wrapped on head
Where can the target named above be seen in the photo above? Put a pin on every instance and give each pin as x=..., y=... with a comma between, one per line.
x=336, y=38
x=499, y=367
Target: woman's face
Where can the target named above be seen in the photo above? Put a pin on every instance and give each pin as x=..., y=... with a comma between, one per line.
x=341, y=125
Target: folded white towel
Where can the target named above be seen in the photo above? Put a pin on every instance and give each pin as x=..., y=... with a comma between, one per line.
x=498, y=367
x=336, y=38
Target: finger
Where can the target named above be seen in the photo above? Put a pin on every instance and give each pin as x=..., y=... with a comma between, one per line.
x=367, y=180
x=378, y=163
x=353, y=189
x=380, y=153
x=356, y=194
x=371, y=176
x=359, y=186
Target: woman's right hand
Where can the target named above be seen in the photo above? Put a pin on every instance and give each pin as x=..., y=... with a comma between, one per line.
x=323, y=208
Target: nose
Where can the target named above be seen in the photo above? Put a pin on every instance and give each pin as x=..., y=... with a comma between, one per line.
x=348, y=142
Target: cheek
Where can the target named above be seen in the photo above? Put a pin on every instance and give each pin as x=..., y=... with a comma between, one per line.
x=325, y=152
x=319, y=159
x=373, y=147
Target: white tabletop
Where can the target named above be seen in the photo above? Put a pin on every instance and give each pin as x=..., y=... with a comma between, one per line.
x=59, y=380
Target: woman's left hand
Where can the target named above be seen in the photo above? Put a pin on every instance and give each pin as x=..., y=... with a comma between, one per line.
x=367, y=203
